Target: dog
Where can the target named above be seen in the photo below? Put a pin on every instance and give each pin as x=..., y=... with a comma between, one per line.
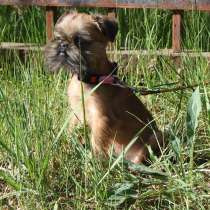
x=117, y=119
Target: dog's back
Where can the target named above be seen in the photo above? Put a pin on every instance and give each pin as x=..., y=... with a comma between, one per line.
x=116, y=116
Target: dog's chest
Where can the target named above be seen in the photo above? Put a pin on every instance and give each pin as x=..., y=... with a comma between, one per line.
x=76, y=96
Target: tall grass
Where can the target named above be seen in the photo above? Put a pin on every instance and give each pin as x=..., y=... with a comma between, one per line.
x=42, y=166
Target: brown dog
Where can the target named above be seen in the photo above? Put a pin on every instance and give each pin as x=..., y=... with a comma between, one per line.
x=113, y=113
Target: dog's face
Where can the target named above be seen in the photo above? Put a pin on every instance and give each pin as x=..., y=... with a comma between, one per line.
x=79, y=40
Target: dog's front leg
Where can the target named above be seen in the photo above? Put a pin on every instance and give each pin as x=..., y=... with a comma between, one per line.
x=73, y=122
x=99, y=144
x=96, y=147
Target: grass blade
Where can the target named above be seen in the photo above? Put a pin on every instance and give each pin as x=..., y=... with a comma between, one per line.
x=9, y=180
x=207, y=105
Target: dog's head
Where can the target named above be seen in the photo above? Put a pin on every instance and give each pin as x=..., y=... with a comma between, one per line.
x=79, y=40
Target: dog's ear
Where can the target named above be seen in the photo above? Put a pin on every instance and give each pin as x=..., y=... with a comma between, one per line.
x=107, y=25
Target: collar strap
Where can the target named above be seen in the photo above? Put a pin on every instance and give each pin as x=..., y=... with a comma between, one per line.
x=110, y=79
x=96, y=79
x=107, y=79
x=86, y=77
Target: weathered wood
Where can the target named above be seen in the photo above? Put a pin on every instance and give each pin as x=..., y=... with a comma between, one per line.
x=176, y=31
x=164, y=52
x=19, y=46
x=49, y=22
x=203, y=5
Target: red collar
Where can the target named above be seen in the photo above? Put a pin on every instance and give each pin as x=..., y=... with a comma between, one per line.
x=111, y=78
x=105, y=79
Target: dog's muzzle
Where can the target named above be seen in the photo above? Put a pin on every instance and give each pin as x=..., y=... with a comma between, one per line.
x=62, y=47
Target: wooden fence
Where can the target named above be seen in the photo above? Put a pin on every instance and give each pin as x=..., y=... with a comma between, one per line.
x=176, y=5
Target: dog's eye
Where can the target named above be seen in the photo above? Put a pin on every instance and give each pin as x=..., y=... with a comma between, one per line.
x=77, y=40
x=80, y=41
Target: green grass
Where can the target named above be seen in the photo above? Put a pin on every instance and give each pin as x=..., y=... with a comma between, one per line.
x=43, y=167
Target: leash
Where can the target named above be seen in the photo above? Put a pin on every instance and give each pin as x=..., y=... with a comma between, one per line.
x=147, y=91
x=112, y=79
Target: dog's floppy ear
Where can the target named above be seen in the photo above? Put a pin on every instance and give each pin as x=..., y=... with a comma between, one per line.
x=107, y=25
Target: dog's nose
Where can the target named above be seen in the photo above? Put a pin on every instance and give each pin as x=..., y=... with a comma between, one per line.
x=64, y=45
x=62, y=48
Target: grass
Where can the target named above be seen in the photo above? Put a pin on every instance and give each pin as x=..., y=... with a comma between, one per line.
x=43, y=167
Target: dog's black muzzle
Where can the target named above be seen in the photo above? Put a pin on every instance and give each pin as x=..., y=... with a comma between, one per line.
x=62, y=48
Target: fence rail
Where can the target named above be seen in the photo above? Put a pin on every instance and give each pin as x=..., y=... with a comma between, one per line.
x=203, y=5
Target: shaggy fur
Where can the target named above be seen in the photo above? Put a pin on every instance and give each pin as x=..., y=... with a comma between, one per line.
x=114, y=114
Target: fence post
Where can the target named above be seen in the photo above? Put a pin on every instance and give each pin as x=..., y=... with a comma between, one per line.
x=112, y=14
x=49, y=22
x=176, y=31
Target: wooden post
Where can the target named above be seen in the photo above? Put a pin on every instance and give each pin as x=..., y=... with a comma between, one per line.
x=111, y=14
x=176, y=31
x=49, y=22
x=176, y=37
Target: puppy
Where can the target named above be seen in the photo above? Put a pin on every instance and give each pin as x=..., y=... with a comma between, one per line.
x=117, y=118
